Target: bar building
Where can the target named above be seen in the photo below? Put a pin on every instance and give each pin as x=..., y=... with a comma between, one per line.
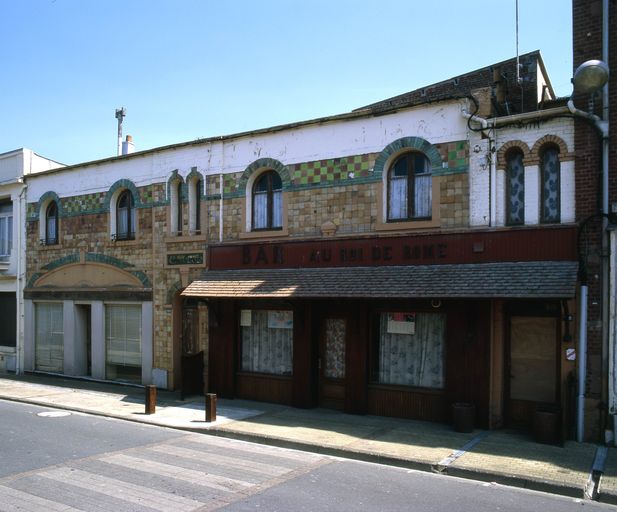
x=394, y=260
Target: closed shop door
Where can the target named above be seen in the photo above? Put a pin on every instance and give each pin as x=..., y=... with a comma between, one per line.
x=49, y=337
x=533, y=372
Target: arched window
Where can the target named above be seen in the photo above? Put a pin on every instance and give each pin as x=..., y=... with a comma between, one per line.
x=515, y=187
x=195, y=188
x=176, y=207
x=125, y=216
x=410, y=188
x=268, y=201
x=51, y=224
x=550, y=171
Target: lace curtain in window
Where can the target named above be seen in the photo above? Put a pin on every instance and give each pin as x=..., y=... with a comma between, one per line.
x=413, y=359
x=267, y=341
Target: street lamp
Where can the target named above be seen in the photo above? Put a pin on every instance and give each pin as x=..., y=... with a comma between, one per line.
x=590, y=77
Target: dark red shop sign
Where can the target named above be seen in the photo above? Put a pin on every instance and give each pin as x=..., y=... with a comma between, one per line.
x=281, y=255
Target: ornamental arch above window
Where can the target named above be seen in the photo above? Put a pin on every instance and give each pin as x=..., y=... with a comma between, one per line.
x=410, y=187
x=267, y=201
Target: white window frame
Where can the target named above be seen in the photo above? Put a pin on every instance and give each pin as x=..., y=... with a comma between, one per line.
x=6, y=231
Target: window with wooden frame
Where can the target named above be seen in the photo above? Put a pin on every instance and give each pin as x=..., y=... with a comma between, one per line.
x=175, y=193
x=6, y=230
x=51, y=224
x=195, y=191
x=409, y=350
x=550, y=184
x=125, y=216
x=515, y=188
x=410, y=188
x=267, y=200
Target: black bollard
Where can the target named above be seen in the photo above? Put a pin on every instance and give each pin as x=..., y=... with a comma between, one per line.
x=210, y=407
x=150, y=399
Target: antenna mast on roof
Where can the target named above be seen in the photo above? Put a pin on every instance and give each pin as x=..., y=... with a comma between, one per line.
x=518, y=65
x=120, y=113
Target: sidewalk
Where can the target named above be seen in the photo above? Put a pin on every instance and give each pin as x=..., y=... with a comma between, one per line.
x=505, y=457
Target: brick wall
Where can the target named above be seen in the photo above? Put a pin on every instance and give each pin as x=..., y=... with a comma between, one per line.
x=587, y=44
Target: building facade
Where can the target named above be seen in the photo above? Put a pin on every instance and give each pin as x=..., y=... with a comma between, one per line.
x=412, y=254
x=594, y=38
x=14, y=166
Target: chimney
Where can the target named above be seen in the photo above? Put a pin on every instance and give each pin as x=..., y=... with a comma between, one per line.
x=127, y=146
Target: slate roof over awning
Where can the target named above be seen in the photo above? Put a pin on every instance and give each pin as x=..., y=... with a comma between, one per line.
x=543, y=279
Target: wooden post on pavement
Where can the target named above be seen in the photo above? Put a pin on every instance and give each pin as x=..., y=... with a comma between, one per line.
x=210, y=407
x=150, y=399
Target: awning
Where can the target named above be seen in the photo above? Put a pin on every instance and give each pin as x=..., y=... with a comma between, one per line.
x=537, y=279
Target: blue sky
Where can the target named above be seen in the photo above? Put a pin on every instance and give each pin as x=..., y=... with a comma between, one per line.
x=188, y=69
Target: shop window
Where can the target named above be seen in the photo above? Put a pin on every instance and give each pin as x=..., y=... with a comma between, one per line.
x=266, y=341
x=6, y=230
x=410, y=350
x=267, y=199
x=49, y=337
x=195, y=193
x=123, y=342
x=51, y=224
x=176, y=207
x=515, y=183
x=125, y=216
x=410, y=188
x=550, y=170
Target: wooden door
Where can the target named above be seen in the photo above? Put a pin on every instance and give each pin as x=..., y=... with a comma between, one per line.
x=192, y=358
x=533, y=366
x=332, y=372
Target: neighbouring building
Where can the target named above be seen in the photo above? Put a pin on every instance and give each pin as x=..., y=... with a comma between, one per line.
x=14, y=166
x=414, y=253
x=595, y=38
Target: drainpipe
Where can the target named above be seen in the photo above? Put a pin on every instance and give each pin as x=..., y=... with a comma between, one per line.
x=605, y=210
x=582, y=364
x=19, y=288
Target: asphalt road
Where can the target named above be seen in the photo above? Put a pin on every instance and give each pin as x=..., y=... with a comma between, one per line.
x=51, y=461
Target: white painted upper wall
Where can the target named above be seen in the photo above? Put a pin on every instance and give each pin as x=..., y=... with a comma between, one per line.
x=17, y=163
x=339, y=138
x=483, y=192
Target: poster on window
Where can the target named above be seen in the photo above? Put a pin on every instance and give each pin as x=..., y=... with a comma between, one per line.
x=280, y=319
x=245, y=318
x=401, y=323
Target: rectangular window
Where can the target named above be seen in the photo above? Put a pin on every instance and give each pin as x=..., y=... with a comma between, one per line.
x=267, y=341
x=6, y=229
x=123, y=342
x=49, y=337
x=410, y=350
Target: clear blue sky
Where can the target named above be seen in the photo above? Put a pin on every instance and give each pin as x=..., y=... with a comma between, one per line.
x=187, y=69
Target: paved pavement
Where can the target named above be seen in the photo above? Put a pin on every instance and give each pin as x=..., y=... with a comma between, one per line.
x=501, y=456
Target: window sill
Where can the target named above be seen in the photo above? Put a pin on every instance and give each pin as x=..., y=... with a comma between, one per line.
x=124, y=242
x=49, y=247
x=407, y=225
x=266, y=375
x=407, y=389
x=266, y=233
x=170, y=239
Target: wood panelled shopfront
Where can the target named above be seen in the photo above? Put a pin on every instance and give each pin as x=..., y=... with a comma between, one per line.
x=344, y=348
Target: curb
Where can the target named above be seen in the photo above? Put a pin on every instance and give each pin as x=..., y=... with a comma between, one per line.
x=469, y=474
